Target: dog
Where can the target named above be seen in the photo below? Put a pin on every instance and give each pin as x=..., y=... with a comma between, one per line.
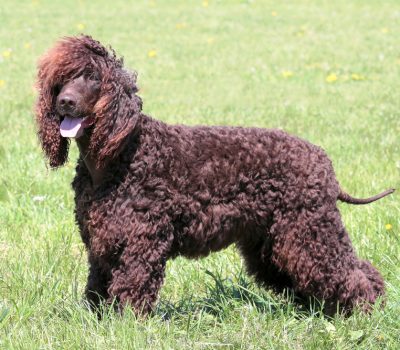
x=146, y=192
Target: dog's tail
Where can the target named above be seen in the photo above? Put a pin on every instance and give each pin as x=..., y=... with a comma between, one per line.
x=344, y=197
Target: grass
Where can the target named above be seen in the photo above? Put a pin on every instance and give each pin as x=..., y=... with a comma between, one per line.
x=326, y=71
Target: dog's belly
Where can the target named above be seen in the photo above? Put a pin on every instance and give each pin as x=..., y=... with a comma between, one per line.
x=213, y=229
x=196, y=241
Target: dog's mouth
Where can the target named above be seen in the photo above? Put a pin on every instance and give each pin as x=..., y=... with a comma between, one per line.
x=73, y=127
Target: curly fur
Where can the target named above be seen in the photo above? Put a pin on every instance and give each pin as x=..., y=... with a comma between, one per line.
x=170, y=190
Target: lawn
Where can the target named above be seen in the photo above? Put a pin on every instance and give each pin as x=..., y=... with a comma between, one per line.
x=326, y=71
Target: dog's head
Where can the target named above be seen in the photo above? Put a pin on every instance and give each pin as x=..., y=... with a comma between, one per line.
x=84, y=90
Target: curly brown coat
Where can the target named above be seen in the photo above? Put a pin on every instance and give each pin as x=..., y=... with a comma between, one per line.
x=167, y=190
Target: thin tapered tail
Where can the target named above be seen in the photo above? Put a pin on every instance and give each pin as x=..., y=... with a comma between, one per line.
x=345, y=197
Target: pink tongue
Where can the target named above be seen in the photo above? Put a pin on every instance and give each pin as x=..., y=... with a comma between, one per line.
x=71, y=127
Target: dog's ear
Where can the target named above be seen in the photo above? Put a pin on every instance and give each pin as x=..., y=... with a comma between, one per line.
x=128, y=81
x=117, y=112
x=55, y=146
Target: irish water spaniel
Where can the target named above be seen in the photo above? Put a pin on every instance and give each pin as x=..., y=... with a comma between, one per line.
x=146, y=191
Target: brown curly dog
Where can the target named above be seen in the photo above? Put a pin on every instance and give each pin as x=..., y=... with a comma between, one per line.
x=146, y=191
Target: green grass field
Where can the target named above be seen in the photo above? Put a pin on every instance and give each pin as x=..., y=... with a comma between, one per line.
x=327, y=71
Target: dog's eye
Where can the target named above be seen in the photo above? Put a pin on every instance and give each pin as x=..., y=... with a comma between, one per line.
x=56, y=89
x=94, y=77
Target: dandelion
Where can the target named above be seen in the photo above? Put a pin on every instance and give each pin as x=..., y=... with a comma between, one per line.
x=181, y=25
x=274, y=13
x=7, y=53
x=385, y=30
x=331, y=78
x=388, y=227
x=205, y=3
x=2, y=83
x=152, y=53
x=81, y=26
x=210, y=40
x=287, y=73
x=27, y=45
x=357, y=77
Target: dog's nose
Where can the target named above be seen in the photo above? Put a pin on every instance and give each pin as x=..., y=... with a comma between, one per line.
x=67, y=102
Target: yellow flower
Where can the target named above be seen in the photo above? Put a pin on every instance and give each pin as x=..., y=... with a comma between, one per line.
x=27, y=45
x=80, y=26
x=181, y=25
x=331, y=78
x=2, y=83
x=205, y=3
x=274, y=13
x=287, y=73
x=385, y=30
x=210, y=40
x=7, y=53
x=388, y=227
x=152, y=53
x=357, y=77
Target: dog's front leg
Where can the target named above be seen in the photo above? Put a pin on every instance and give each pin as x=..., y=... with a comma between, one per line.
x=139, y=275
x=98, y=280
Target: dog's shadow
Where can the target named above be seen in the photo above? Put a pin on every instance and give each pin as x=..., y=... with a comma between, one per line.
x=224, y=294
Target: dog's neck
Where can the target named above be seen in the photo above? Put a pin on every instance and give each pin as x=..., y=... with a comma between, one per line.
x=96, y=174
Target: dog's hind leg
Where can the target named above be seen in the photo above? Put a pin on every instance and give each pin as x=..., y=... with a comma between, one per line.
x=314, y=249
x=256, y=252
